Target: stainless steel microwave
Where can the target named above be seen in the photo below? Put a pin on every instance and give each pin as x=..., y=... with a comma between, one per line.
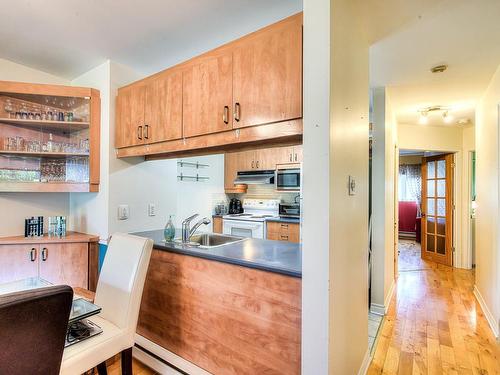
x=288, y=179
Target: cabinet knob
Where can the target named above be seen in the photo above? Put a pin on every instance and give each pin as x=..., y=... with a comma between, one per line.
x=237, y=111
x=139, y=132
x=257, y=164
x=253, y=164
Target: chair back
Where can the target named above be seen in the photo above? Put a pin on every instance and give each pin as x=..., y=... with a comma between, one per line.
x=122, y=277
x=33, y=326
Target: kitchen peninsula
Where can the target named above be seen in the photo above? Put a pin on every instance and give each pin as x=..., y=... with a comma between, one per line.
x=233, y=308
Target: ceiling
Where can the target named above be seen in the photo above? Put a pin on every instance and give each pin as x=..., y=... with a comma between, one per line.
x=69, y=37
x=463, y=34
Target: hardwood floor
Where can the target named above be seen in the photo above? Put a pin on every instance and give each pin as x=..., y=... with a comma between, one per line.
x=435, y=326
x=409, y=257
x=137, y=368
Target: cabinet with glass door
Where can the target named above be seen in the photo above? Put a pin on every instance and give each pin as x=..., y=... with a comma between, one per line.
x=49, y=138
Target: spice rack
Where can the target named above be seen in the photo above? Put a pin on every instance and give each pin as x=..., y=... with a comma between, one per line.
x=49, y=138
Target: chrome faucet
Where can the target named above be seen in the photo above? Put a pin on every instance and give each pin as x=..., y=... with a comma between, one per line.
x=187, y=232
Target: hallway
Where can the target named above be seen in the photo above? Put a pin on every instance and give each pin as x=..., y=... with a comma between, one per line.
x=435, y=326
x=410, y=258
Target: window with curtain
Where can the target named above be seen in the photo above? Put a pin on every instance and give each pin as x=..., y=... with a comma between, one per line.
x=410, y=183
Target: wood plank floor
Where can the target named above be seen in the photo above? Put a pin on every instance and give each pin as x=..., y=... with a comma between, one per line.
x=435, y=326
x=137, y=368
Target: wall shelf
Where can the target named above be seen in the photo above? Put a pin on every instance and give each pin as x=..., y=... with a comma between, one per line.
x=45, y=187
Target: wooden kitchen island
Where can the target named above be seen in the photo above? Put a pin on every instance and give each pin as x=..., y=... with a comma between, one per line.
x=224, y=318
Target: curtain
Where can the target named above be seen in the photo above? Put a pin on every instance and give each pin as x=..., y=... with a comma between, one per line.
x=410, y=184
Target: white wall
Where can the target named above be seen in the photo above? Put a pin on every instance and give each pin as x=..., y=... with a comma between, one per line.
x=447, y=139
x=334, y=272
x=316, y=189
x=487, y=174
x=383, y=202
x=88, y=210
x=15, y=207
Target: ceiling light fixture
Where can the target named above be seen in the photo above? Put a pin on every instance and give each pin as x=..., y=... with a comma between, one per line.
x=447, y=117
x=423, y=120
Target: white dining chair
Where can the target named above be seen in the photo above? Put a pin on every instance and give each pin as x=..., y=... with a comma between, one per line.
x=119, y=293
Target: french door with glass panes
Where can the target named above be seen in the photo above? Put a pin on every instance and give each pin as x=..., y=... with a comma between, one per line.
x=437, y=209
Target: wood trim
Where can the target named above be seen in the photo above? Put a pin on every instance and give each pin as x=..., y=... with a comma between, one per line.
x=44, y=89
x=70, y=238
x=95, y=138
x=93, y=265
x=233, y=140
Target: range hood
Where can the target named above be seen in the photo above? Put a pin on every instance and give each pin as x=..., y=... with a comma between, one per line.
x=254, y=178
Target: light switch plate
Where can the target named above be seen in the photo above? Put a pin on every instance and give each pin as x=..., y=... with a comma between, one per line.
x=123, y=212
x=151, y=209
x=352, y=185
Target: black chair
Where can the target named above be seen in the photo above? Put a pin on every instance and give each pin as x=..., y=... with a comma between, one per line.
x=33, y=326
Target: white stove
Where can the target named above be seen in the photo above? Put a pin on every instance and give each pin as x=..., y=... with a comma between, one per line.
x=251, y=223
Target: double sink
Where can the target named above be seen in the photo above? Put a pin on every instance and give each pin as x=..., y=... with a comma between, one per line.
x=210, y=240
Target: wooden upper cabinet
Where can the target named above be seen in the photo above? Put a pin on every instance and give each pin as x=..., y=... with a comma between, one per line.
x=163, y=111
x=207, y=94
x=267, y=75
x=130, y=119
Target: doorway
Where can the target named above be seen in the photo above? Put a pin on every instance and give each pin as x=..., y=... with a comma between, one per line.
x=425, y=209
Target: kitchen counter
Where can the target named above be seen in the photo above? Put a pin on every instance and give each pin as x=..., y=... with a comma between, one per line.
x=272, y=256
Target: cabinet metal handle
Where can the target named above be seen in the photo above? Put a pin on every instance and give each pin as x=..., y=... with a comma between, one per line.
x=257, y=164
x=295, y=157
x=33, y=254
x=225, y=115
x=45, y=252
x=146, y=131
x=284, y=225
x=284, y=237
x=291, y=157
x=237, y=110
x=139, y=132
x=253, y=164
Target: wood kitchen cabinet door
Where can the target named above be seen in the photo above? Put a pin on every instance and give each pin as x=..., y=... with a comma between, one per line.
x=65, y=264
x=18, y=262
x=130, y=104
x=163, y=112
x=207, y=94
x=267, y=79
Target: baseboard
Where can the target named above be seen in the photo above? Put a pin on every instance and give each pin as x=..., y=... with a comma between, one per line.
x=153, y=363
x=167, y=357
x=366, y=363
x=377, y=309
x=494, y=325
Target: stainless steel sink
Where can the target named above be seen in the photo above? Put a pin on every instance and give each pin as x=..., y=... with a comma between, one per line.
x=210, y=240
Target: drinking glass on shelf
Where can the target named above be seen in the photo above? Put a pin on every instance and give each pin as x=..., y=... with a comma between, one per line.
x=9, y=108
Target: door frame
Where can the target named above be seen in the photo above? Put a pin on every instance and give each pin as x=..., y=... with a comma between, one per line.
x=458, y=155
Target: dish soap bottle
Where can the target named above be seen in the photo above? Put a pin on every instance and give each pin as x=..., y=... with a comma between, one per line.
x=169, y=231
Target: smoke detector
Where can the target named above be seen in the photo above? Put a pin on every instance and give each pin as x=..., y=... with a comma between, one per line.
x=439, y=68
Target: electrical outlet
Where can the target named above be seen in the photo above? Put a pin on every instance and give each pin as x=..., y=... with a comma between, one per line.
x=151, y=209
x=123, y=212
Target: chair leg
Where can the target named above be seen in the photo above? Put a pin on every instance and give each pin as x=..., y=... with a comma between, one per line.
x=127, y=361
x=102, y=369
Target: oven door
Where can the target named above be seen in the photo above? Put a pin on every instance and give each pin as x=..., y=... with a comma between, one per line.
x=242, y=228
x=288, y=179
